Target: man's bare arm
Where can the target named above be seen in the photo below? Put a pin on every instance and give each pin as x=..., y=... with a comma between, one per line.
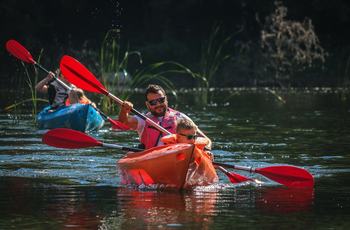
x=124, y=116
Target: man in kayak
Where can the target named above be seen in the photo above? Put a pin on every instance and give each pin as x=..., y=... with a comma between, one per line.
x=159, y=112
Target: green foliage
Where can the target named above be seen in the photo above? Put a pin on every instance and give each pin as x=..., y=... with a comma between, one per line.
x=213, y=55
x=31, y=83
x=113, y=64
x=15, y=105
x=115, y=75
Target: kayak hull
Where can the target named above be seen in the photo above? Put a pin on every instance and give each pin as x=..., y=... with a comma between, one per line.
x=79, y=117
x=173, y=166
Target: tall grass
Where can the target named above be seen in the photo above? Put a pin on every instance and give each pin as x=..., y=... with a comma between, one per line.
x=117, y=76
x=31, y=83
x=113, y=63
x=213, y=55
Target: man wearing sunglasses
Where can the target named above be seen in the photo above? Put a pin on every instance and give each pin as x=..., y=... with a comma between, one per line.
x=159, y=112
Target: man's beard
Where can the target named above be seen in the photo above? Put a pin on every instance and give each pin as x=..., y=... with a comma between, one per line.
x=161, y=114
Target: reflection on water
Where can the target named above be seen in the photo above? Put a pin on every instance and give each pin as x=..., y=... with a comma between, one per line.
x=43, y=187
x=285, y=200
x=38, y=203
x=166, y=209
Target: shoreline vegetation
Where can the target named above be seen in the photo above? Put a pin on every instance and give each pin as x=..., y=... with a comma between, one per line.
x=256, y=89
x=287, y=53
x=224, y=94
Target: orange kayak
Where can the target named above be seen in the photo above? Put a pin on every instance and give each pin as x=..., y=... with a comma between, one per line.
x=175, y=166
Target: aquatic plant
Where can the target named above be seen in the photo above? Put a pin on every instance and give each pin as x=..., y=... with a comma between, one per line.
x=114, y=62
x=213, y=55
x=31, y=85
x=113, y=65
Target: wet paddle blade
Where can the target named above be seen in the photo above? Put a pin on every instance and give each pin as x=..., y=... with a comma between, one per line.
x=237, y=178
x=120, y=126
x=289, y=176
x=234, y=177
x=77, y=74
x=19, y=51
x=69, y=139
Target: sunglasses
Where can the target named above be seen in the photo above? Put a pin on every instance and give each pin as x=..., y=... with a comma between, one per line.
x=161, y=100
x=189, y=137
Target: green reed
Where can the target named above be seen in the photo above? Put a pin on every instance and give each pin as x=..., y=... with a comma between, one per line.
x=113, y=63
x=213, y=55
x=116, y=73
x=31, y=83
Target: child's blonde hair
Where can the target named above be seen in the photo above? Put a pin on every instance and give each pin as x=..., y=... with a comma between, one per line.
x=183, y=123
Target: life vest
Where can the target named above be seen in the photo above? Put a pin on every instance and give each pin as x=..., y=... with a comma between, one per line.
x=57, y=94
x=200, y=142
x=151, y=135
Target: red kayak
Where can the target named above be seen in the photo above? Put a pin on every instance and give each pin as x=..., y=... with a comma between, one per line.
x=175, y=166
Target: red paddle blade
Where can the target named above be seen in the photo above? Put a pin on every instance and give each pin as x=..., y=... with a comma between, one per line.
x=237, y=178
x=233, y=177
x=69, y=139
x=118, y=125
x=19, y=51
x=77, y=74
x=289, y=176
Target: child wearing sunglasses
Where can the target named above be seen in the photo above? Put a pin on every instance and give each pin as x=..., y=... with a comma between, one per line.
x=186, y=132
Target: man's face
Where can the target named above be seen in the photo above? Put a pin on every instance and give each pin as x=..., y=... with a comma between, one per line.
x=157, y=103
x=187, y=136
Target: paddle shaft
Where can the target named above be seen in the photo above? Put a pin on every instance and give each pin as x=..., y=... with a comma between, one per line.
x=143, y=117
x=222, y=169
x=56, y=78
x=244, y=168
x=234, y=177
x=121, y=147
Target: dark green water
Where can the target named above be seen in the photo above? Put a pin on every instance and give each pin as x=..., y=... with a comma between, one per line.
x=43, y=187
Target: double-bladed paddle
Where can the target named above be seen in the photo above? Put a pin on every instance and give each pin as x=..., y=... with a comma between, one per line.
x=73, y=139
x=20, y=52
